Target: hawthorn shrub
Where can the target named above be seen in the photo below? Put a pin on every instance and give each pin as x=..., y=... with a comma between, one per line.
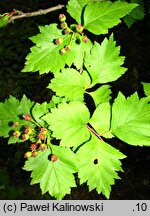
x=67, y=136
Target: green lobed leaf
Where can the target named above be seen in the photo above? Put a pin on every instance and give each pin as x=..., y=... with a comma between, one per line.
x=146, y=87
x=101, y=95
x=3, y=21
x=11, y=111
x=100, y=168
x=131, y=120
x=39, y=110
x=68, y=123
x=70, y=83
x=45, y=55
x=81, y=48
x=104, y=62
x=100, y=120
x=137, y=13
x=54, y=177
x=100, y=16
x=75, y=8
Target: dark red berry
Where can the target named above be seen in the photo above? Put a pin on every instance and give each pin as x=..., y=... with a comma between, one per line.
x=54, y=158
x=27, y=117
x=28, y=154
x=41, y=136
x=62, y=17
x=43, y=147
x=33, y=146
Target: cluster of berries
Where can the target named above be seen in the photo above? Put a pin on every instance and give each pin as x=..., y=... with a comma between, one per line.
x=78, y=28
x=27, y=132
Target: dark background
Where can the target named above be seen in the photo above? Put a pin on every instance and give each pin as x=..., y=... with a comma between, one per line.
x=15, y=45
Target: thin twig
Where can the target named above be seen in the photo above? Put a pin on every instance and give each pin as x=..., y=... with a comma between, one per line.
x=94, y=132
x=21, y=14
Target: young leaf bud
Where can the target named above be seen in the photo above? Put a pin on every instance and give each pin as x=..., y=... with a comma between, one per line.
x=34, y=154
x=62, y=17
x=58, y=41
x=28, y=154
x=43, y=147
x=25, y=137
x=54, y=158
x=62, y=51
x=79, y=28
x=33, y=146
x=63, y=25
x=27, y=117
x=41, y=136
x=16, y=134
x=67, y=48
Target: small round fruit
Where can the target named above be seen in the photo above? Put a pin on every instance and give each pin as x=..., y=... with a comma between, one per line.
x=43, y=130
x=79, y=28
x=63, y=25
x=33, y=146
x=41, y=136
x=34, y=154
x=62, y=17
x=54, y=158
x=62, y=51
x=27, y=117
x=67, y=48
x=28, y=154
x=25, y=137
x=58, y=41
x=15, y=124
x=43, y=147
x=16, y=134
x=85, y=39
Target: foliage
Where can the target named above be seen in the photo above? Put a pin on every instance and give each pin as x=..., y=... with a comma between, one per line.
x=67, y=134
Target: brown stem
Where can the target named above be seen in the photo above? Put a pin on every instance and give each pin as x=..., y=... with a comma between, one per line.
x=21, y=15
x=94, y=132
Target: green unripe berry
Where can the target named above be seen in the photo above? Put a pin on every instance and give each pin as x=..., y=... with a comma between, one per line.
x=62, y=51
x=63, y=25
x=15, y=124
x=62, y=17
x=43, y=147
x=58, y=41
x=67, y=48
x=25, y=137
x=28, y=154
x=16, y=134
x=79, y=28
